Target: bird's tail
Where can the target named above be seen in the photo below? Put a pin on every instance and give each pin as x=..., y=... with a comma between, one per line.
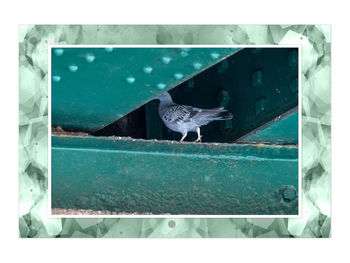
x=217, y=114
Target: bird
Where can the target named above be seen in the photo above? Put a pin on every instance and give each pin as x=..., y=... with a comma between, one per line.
x=184, y=118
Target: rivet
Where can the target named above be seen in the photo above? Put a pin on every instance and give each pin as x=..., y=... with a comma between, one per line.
x=223, y=98
x=214, y=55
x=223, y=66
x=147, y=69
x=130, y=80
x=108, y=49
x=178, y=76
x=166, y=60
x=259, y=106
x=257, y=78
x=56, y=78
x=184, y=52
x=189, y=86
x=73, y=68
x=89, y=58
x=161, y=86
x=288, y=193
x=190, y=83
x=58, y=51
x=197, y=65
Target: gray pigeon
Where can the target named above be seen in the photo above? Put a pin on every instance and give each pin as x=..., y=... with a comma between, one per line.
x=184, y=119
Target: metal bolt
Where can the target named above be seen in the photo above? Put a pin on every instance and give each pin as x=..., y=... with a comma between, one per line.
x=166, y=60
x=257, y=78
x=223, y=98
x=161, y=86
x=130, y=79
x=288, y=193
x=73, y=68
x=197, y=66
x=189, y=86
x=214, y=55
x=58, y=51
x=147, y=69
x=56, y=78
x=178, y=76
x=223, y=66
x=108, y=49
x=89, y=58
x=259, y=105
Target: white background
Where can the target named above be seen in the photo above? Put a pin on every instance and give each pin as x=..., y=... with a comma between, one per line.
x=334, y=249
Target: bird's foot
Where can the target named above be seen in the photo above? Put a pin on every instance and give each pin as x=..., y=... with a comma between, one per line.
x=181, y=140
x=199, y=139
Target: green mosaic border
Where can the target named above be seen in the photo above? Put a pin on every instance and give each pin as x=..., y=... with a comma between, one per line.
x=33, y=127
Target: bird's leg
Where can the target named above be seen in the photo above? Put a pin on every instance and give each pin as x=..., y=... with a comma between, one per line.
x=199, y=139
x=183, y=137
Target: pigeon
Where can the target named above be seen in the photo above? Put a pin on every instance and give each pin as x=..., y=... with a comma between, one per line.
x=184, y=118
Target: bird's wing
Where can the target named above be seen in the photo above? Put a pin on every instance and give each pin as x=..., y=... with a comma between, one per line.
x=178, y=114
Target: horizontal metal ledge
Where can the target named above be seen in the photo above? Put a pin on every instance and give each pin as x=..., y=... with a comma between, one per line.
x=163, y=177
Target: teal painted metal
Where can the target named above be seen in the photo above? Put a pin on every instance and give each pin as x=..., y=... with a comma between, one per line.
x=92, y=87
x=256, y=85
x=283, y=130
x=147, y=176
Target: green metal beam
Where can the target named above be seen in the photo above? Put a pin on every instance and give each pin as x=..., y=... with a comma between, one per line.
x=93, y=87
x=257, y=85
x=148, y=176
x=282, y=130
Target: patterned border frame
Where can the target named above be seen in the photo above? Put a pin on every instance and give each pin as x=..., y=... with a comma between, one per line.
x=33, y=126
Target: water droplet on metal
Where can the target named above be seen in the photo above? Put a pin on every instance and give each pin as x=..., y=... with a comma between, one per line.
x=58, y=51
x=130, y=80
x=178, y=76
x=197, y=65
x=161, y=86
x=214, y=55
x=166, y=60
x=56, y=78
x=73, y=68
x=108, y=49
x=147, y=69
x=90, y=58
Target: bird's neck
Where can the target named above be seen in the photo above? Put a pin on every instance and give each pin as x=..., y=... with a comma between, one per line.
x=163, y=104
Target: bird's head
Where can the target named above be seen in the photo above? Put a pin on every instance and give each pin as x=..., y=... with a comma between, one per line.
x=165, y=97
